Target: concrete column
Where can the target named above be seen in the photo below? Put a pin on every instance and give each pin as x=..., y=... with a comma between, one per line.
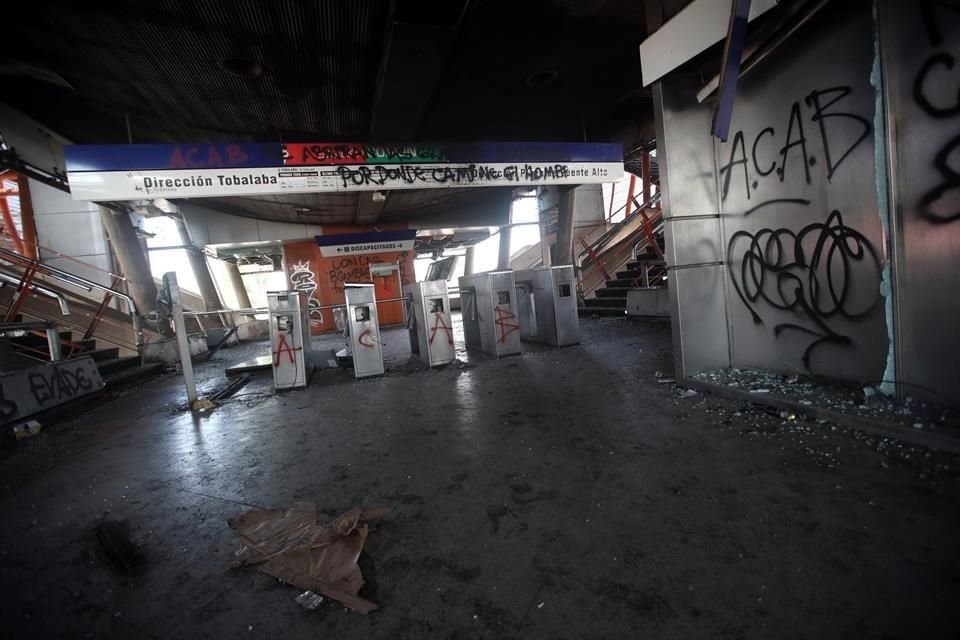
x=133, y=261
x=563, y=253
x=201, y=271
x=236, y=279
x=503, y=259
x=469, y=260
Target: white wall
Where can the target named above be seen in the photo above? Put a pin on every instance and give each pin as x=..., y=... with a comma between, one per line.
x=64, y=225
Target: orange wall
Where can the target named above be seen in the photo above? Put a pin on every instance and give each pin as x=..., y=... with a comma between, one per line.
x=324, y=278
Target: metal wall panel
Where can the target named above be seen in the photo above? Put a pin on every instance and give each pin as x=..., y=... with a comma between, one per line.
x=797, y=187
x=920, y=59
x=693, y=241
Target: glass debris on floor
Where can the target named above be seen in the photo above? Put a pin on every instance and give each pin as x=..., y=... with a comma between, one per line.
x=863, y=401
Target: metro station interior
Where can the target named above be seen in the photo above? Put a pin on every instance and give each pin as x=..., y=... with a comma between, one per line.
x=480, y=319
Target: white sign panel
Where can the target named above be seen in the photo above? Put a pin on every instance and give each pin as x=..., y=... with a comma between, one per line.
x=201, y=183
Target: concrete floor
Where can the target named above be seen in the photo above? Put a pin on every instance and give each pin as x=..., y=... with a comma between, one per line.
x=561, y=494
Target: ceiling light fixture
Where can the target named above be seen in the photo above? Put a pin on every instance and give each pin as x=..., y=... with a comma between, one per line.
x=241, y=67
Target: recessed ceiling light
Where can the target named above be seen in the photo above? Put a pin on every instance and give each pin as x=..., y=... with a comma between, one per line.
x=241, y=67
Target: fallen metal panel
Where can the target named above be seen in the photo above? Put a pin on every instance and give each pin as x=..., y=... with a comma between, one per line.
x=698, y=27
x=29, y=391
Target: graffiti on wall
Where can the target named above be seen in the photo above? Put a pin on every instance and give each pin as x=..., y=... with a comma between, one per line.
x=25, y=392
x=355, y=268
x=936, y=73
x=823, y=115
x=807, y=272
x=303, y=279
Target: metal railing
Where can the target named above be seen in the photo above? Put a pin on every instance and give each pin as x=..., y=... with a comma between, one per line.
x=26, y=284
x=609, y=253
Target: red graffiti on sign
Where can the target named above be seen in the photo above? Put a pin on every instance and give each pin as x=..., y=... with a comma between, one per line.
x=364, y=340
x=438, y=324
x=506, y=328
x=284, y=347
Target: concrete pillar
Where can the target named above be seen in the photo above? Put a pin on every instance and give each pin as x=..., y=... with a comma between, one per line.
x=469, y=260
x=236, y=280
x=503, y=258
x=133, y=261
x=563, y=253
x=201, y=271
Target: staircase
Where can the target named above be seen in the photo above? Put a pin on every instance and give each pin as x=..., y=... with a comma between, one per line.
x=79, y=325
x=118, y=371
x=628, y=256
x=611, y=299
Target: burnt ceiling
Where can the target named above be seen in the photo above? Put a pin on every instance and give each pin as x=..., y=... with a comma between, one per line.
x=329, y=70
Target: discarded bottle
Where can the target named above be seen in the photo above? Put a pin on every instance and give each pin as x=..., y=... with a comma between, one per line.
x=26, y=429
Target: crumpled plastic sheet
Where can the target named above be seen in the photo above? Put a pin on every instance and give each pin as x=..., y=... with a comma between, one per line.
x=291, y=545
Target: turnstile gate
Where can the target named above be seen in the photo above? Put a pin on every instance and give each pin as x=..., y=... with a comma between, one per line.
x=289, y=338
x=431, y=327
x=488, y=305
x=364, y=329
x=547, y=304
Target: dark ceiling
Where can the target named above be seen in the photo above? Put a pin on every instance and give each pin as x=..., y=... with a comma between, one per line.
x=325, y=70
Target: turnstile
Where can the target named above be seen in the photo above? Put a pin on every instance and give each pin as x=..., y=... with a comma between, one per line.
x=488, y=304
x=431, y=328
x=364, y=329
x=289, y=338
x=547, y=305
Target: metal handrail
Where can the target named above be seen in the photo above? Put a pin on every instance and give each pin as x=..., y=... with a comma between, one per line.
x=647, y=204
x=77, y=281
x=64, y=307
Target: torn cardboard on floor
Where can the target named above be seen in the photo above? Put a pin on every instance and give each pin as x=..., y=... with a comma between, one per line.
x=290, y=545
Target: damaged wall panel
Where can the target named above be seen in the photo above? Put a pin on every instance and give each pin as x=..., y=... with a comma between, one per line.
x=920, y=51
x=797, y=232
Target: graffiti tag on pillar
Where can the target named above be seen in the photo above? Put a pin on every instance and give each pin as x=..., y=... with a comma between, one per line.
x=303, y=279
x=501, y=319
x=808, y=272
x=440, y=324
x=824, y=108
x=937, y=72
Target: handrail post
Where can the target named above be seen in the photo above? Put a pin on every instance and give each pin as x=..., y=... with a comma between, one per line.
x=20, y=294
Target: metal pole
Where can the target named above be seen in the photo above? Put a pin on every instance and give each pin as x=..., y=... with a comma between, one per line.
x=180, y=328
x=53, y=340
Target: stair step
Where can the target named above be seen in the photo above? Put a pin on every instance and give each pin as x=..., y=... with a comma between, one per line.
x=115, y=365
x=624, y=283
x=614, y=303
x=100, y=355
x=615, y=292
x=601, y=311
x=132, y=376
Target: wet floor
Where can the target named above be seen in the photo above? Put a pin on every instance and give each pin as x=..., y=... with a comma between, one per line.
x=559, y=494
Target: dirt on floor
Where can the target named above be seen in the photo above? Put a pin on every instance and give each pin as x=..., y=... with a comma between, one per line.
x=565, y=493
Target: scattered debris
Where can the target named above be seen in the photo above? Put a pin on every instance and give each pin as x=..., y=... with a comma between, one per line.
x=309, y=600
x=290, y=545
x=26, y=429
x=688, y=393
x=231, y=388
x=202, y=404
